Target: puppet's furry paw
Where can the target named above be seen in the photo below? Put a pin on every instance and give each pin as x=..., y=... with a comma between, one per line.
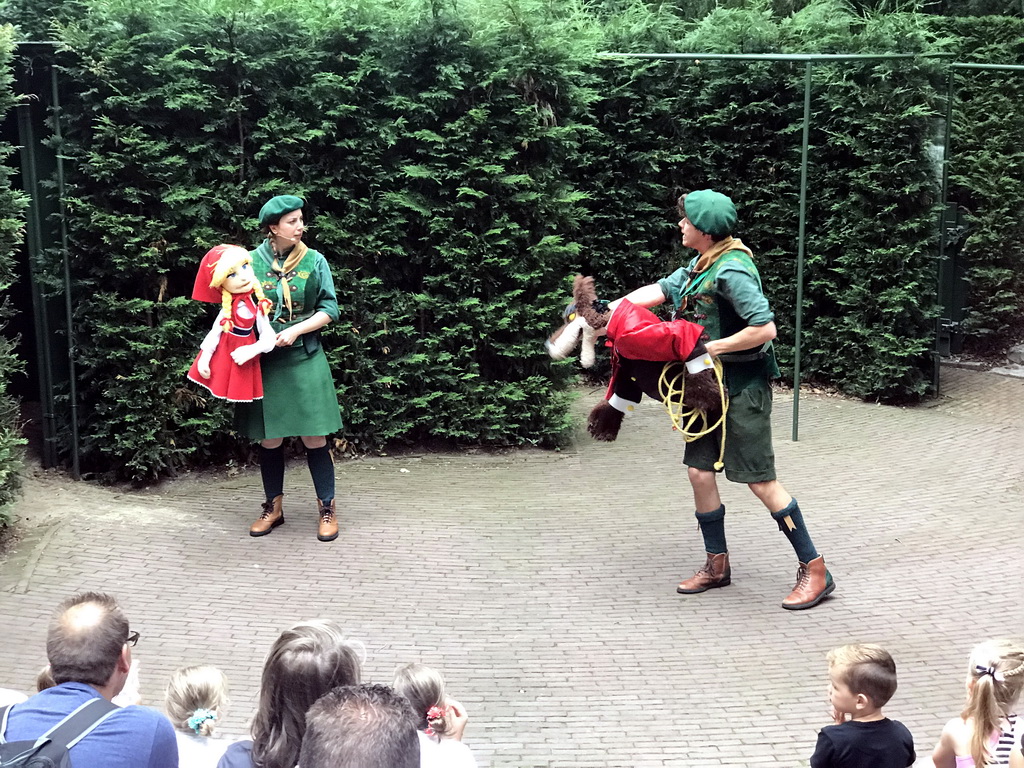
x=702, y=391
x=604, y=422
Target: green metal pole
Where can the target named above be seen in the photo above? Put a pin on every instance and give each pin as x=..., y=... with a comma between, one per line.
x=944, y=197
x=995, y=67
x=800, y=251
x=66, y=258
x=34, y=245
x=794, y=57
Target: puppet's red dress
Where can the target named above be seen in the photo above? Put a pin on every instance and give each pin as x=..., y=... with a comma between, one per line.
x=228, y=380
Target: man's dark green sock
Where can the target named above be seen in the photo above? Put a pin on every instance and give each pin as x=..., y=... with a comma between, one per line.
x=712, y=527
x=791, y=523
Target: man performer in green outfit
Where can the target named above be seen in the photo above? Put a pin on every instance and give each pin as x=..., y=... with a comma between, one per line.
x=723, y=288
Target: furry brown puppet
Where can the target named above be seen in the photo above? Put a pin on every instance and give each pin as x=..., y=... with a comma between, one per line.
x=663, y=360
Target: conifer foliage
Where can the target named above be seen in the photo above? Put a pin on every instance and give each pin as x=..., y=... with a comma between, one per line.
x=12, y=233
x=461, y=160
x=432, y=151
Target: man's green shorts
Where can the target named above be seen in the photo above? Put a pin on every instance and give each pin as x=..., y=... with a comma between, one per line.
x=749, y=456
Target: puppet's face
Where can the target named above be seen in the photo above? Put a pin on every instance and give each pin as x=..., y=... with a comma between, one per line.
x=240, y=279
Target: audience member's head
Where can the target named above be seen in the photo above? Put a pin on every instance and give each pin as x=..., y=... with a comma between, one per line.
x=44, y=679
x=995, y=680
x=864, y=674
x=305, y=662
x=88, y=642
x=196, y=697
x=361, y=726
x=424, y=688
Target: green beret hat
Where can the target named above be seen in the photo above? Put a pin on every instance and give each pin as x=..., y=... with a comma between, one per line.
x=711, y=212
x=277, y=207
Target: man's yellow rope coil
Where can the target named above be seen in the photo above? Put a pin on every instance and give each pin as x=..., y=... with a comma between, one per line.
x=671, y=390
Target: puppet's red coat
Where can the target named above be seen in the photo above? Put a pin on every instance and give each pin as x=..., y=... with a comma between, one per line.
x=228, y=380
x=637, y=333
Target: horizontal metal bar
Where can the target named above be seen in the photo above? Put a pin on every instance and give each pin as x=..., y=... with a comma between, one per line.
x=776, y=56
x=1007, y=67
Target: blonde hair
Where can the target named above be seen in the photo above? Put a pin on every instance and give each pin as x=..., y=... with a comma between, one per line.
x=996, y=672
x=192, y=689
x=231, y=259
x=424, y=688
x=865, y=668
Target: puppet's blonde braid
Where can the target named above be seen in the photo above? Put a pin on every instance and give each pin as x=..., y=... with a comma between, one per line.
x=264, y=304
x=226, y=297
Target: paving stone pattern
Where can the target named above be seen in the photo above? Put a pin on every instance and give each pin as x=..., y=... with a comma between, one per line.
x=543, y=583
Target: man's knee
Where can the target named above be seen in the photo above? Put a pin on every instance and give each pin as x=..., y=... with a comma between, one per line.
x=762, y=489
x=701, y=478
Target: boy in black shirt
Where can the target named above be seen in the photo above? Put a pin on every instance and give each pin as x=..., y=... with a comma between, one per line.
x=862, y=678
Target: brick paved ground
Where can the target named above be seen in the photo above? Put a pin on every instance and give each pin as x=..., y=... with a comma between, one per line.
x=543, y=584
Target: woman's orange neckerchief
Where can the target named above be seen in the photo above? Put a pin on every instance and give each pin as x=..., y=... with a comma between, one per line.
x=710, y=256
x=708, y=259
x=296, y=255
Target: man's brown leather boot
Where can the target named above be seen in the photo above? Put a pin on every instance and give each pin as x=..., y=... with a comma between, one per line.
x=271, y=517
x=714, y=573
x=813, y=582
x=328, y=530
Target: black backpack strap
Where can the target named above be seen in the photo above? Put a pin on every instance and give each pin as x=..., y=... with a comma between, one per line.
x=79, y=723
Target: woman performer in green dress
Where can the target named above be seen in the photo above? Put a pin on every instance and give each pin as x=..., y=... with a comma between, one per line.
x=299, y=397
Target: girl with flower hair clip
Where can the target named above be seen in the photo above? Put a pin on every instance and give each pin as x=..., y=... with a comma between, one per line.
x=228, y=360
x=195, y=700
x=989, y=725
x=442, y=720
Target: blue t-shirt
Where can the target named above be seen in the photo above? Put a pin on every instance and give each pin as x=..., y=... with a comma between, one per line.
x=238, y=755
x=132, y=737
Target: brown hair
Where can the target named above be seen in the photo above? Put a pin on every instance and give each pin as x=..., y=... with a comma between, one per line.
x=305, y=662
x=360, y=726
x=424, y=688
x=996, y=669
x=44, y=679
x=85, y=639
x=867, y=669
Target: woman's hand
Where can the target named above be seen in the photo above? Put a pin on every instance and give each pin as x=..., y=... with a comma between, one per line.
x=457, y=719
x=287, y=337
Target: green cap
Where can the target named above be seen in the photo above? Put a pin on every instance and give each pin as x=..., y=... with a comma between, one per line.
x=277, y=207
x=711, y=212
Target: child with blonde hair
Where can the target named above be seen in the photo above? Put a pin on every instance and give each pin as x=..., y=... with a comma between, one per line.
x=196, y=697
x=862, y=679
x=441, y=720
x=988, y=727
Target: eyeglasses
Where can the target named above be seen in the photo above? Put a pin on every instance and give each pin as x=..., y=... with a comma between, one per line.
x=133, y=638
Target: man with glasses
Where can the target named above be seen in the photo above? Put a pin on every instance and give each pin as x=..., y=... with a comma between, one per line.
x=89, y=646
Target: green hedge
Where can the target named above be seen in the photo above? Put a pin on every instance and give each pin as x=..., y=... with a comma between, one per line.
x=674, y=127
x=12, y=233
x=986, y=179
x=432, y=152
x=461, y=162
